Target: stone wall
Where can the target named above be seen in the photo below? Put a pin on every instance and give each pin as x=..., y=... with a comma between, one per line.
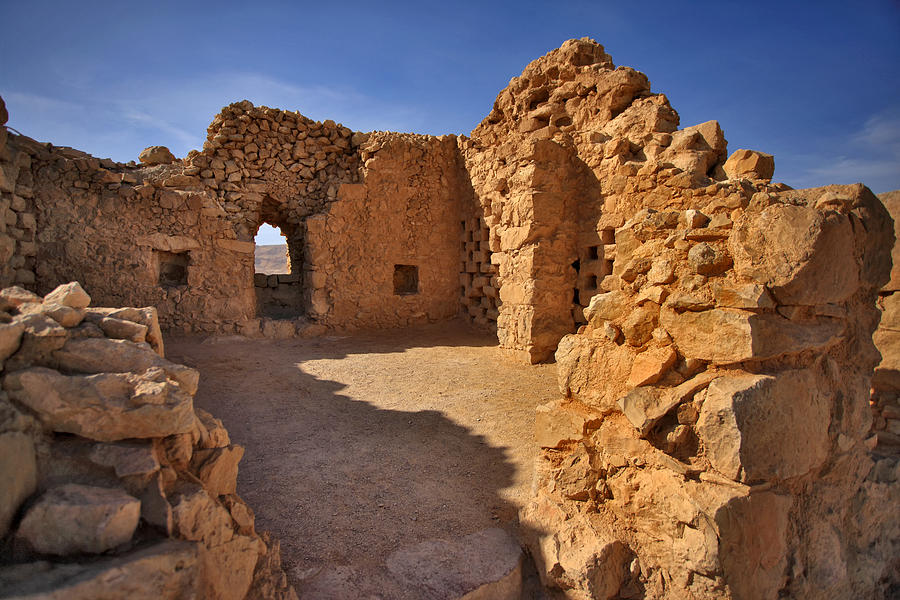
x=713, y=438
x=17, y=211
x=183, y=229
x=886, y=382
x=113, y=484
x=385, y=254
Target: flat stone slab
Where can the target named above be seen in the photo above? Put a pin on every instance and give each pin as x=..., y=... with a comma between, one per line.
x=485, y=565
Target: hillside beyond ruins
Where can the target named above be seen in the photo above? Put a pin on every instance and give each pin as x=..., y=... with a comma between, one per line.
x=719, y=431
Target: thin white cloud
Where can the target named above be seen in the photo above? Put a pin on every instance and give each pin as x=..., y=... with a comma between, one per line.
x=870, y=155
x=882, y=130
x=120, y=120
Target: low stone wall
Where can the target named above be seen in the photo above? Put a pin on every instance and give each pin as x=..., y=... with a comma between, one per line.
x=114, y=485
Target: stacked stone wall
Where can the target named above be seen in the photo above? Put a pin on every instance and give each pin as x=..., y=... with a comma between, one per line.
x=113, y=484
x=184, y=229
x=17, y=212
x=386, y=252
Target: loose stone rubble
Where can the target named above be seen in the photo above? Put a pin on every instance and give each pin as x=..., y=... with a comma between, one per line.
x=113, y=484
x=715, y=437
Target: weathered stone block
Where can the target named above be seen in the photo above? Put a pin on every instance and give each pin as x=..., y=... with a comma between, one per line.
x=761, y=427
x=18, y=472
x=104, y=407
x=75, y=518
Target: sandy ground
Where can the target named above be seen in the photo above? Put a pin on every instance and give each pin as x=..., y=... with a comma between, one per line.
x=360, y=445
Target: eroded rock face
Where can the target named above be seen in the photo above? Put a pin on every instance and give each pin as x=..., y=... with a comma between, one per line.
x=715, y=408
x=101, y=450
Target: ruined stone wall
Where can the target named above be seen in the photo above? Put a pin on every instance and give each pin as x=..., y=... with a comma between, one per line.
x=113, y=484
x=713, y=436
x=17, y=211
x=886, y=382
x=385, y=254
x=183, y=229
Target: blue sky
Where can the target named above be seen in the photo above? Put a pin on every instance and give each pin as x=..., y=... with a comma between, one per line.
x=815, y=83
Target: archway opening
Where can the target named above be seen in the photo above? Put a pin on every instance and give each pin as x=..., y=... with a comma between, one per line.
x=271, y=254
x=278, y=267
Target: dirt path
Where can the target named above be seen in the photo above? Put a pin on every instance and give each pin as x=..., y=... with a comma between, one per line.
x=359, y=445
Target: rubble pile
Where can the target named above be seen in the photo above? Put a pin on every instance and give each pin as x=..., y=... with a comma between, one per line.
x=114, y=485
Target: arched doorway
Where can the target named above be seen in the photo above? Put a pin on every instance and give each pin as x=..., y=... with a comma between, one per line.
x=278, y=265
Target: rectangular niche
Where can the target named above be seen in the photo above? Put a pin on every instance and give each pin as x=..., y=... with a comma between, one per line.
x=172, y=268
x=406, y=280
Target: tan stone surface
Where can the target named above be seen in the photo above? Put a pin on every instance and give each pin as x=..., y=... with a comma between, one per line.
x=104, y=407
x=156, y=155
x=167, y=570
x=18, y=472
x=749, y=164
x=759, y=428
x=70, y=294
x=72, y=519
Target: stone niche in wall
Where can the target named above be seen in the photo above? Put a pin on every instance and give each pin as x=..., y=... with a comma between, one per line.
x=406, y=280
x=173, y=268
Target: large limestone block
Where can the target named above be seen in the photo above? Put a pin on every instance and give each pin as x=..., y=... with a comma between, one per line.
x=749, y=164
x=18, y=474
x=228, y=568
x=105, y=407
x=198, y=517
x=761, y=427
x=804, y=256
x=725, y=336
x=10, y=339
x=606, y=307
x=15, y=296
x=156, y=155
x=480, y=566
x=574, y=556
x=167, y=570
x=650, y=365
x=217, y=468
x=101, y=355
x=69, y=294
x=148, y=317
x=593, y=370
x=4, y=114
x=554, y=425
x=126, y=459
x=41, y=337
x=753, y=544
x=76, y=518
x=121, y=329
x=698, y=148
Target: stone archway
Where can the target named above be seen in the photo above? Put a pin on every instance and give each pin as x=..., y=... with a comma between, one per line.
x=281, y=295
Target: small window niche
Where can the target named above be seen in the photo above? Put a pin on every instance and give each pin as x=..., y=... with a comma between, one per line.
x=172, y=268
x=406, y=280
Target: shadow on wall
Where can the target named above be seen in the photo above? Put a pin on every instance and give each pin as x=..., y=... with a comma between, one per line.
x=341, y=483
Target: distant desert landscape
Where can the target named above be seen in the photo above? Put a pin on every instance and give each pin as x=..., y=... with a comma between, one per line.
x=271, y=259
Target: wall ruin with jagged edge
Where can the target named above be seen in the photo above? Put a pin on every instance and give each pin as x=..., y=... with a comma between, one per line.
x=712, y=329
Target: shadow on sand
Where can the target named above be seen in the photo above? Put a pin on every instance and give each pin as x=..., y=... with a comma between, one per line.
x=343, y=483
